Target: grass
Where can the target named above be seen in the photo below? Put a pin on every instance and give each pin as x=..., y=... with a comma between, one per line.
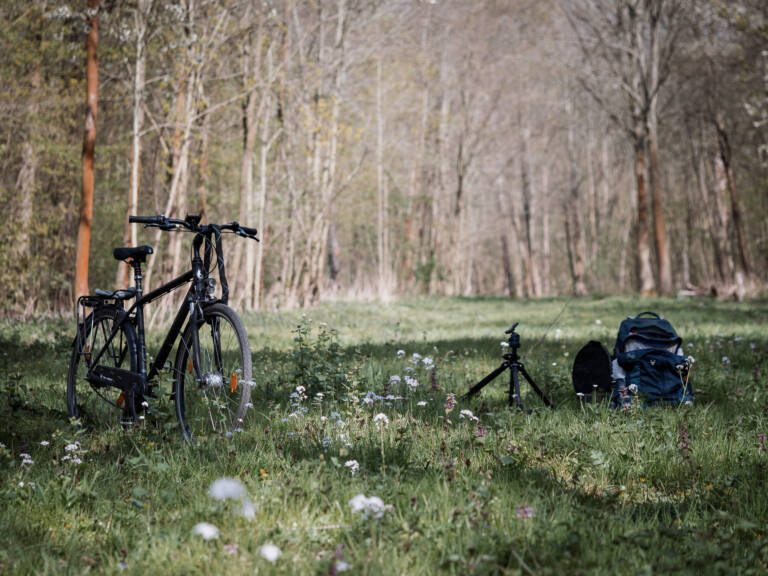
x=581, y=489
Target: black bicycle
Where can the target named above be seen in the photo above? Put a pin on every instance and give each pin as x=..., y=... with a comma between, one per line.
x=108, y=381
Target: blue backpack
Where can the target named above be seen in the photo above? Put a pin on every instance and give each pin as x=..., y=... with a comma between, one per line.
x=648, y=362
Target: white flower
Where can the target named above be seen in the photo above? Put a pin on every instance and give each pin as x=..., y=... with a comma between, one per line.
x=225, y=488
x=44, y=443
x=554, y=363
x=422, y=403
x=270, y=552
x=341, y=566
x=467, y=414
x=428, y=362
x=380, y=419
x=248, y=510
x=412, y=382
x=632, y=388
x=145, y=404
x=726, y=360
x=207, y=531
x=394, y=379
x=598, y=321
x=76, y=460
x=372, y=506
x=25, y=456
x=401, y=353
x=21, y=484
x=415, y=358
x=353, y=466
x=72, y=447
x=691, y=360
x=371, y=397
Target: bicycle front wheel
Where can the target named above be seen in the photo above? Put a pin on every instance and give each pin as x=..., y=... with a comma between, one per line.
x=101, y=406
x=214, y=402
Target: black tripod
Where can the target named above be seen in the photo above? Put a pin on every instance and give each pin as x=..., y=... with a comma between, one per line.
x=511, y=361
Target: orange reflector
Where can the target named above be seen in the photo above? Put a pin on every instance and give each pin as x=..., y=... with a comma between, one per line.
x=120, y=400
x=233, y=382
x=189, y=366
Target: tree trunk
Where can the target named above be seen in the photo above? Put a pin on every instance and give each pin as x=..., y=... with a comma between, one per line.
x=89, y=146
x=661, y=244
x=130, y=237
x=724, y=148
x=533, y=281
x=644, y=270
x=572, y=213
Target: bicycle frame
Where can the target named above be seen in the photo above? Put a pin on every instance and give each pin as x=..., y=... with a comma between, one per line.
x=191, y=307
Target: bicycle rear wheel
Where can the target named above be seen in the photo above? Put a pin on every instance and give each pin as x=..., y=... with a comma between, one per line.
x=101, y=407
x=215, y=404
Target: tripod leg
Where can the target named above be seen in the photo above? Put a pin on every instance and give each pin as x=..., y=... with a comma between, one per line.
x=514, y=388
x=477, y=387
x=536, y=388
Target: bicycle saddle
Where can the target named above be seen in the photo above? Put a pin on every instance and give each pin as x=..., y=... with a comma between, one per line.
x=130, y=254
x=126, y=294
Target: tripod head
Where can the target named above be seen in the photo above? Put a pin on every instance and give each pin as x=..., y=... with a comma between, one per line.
x=514, y=339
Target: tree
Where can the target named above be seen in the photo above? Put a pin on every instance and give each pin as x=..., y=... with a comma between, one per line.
x=89, y=146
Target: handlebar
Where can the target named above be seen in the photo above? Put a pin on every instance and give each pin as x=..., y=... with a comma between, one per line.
x=192, y=223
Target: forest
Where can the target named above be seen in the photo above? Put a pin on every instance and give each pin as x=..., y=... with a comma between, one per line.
x=523, y=148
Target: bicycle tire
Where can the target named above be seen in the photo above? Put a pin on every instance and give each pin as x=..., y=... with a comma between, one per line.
x=217, y=405
x=102, y=407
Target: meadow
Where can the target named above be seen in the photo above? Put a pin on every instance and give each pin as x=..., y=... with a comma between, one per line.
x=578, y=489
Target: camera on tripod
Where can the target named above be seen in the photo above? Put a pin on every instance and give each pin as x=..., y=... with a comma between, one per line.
x=511, y=362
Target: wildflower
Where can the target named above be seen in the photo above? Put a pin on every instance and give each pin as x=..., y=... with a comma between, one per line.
x=326, y=442
x=21, y=484
x=691, y=360
x=401, y=353
x=467, y=414
x=450, y=401
x=525, y=512
x=632, y=388
x=145, y=404
x=44, y=443
x=72, y=447
x=598, y=321
x=480, y=431
x=726, y=360
x=504, y=344
x=422, y=403
x=371, y=397
x=761, y=438
x=26, y=459
x=231, y=549
x=380, y=419
x=373, y=506
x=231, y=489
x=76, y=461
x=554, y=363
x=394, y=379
x=415, y=358
x=353, y=466
x=205, y=530
x=428, y=362
x=340, y=566
x=270, y=552
x=411, y=382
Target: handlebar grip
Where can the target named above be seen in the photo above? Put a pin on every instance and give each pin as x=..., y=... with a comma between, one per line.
x=157, y=220
x=251, y=231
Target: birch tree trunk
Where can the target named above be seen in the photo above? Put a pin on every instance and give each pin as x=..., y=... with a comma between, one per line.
x=143, y=7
